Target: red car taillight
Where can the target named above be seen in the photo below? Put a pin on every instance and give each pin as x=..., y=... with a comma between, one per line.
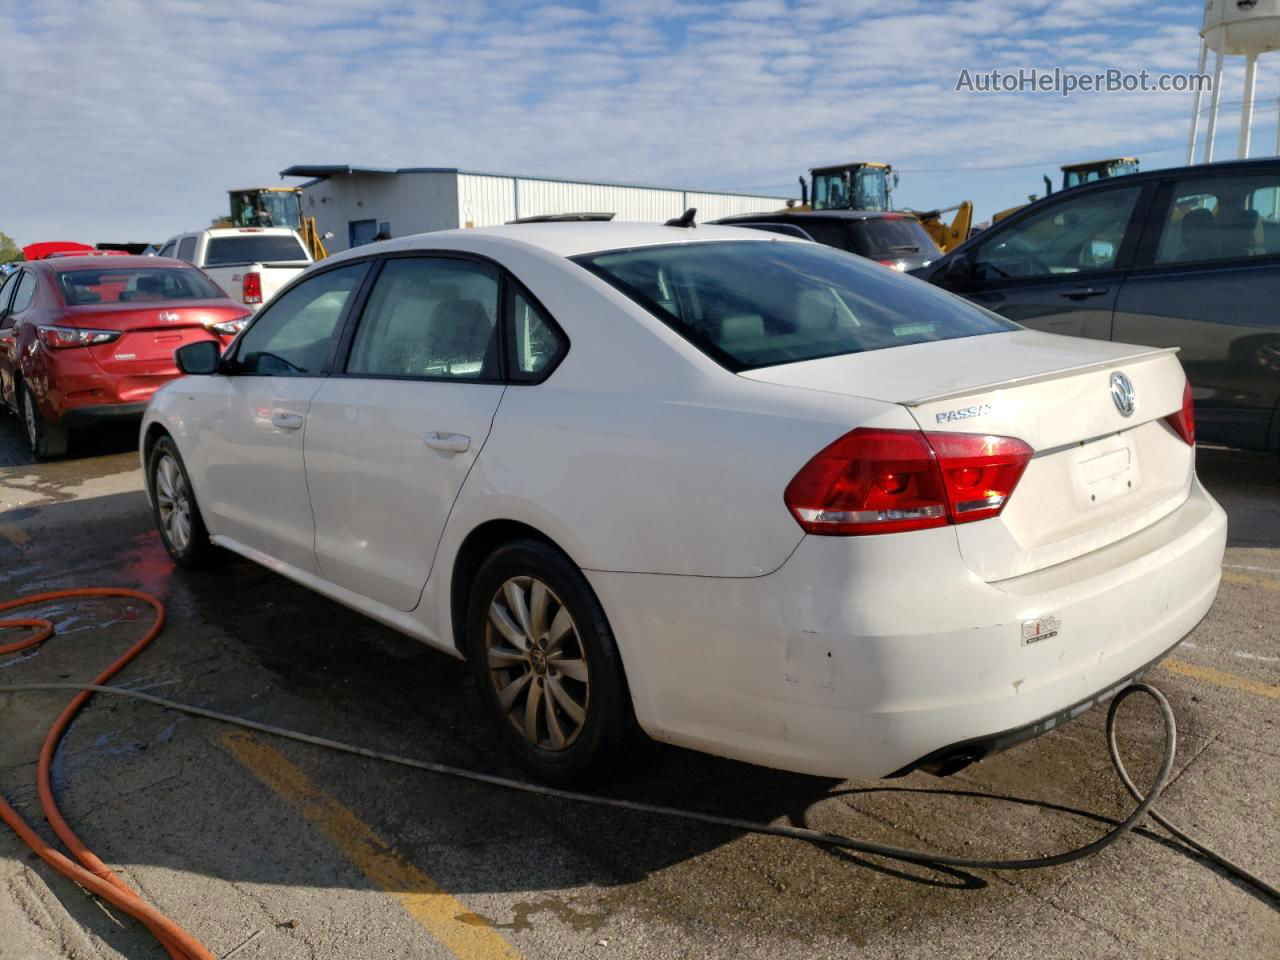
x=251, y=287
x=891, y=481
x=1184, y=421
x=61, y=338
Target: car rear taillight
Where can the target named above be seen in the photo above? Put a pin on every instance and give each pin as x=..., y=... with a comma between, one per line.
x=891, y=481
x=1184, y=421
x=61, y=338
x=251, y=287
x=893, y=264
x=230, y=327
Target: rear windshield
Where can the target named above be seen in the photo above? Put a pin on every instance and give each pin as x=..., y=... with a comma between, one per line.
x=254, y=248
x=750, y=304
x=135, y=284
x=889, y=238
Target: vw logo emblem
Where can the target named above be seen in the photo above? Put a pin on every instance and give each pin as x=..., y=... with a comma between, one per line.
x=1123, y=395
x=168, y=316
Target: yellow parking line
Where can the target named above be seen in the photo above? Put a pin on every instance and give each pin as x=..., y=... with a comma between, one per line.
x=421, y=897
x=1266, y=583
x=1221, y=678
x=14, y=534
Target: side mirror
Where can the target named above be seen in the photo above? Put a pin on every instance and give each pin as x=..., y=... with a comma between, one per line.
x=199, y=359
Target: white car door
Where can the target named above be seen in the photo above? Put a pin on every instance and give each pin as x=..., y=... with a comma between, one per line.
x=251, y=422
x=392, y=436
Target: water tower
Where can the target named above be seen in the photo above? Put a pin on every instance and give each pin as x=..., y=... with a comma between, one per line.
x=1234, y=28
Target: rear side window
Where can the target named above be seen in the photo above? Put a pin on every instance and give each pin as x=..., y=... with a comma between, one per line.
x=254, y=248
x=750, y=304
x=6, y=291
x=26, y=292
x=890, y=238
x=166, y=250
x=537, y=342
x=1222, y=218
x=293, y=335
x=187, y=249
x=430, y=317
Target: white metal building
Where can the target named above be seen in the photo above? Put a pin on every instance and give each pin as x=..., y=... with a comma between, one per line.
x=356, y=203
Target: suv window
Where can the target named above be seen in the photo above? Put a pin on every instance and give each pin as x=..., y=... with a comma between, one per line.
x=1221, y=218
x=293, y=335
x=891, y=237
x=187, y=249
x=757, y=303
x=1078, y=235
x=430, y=317
x=167, y=249
x=26, y=291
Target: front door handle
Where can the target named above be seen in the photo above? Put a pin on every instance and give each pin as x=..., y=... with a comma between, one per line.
x=448, y=442
x=286, y=420
x=1083, y=293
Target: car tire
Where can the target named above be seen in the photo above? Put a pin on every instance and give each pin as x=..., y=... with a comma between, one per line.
x=47, y=440
x=562, y=659
x=173, y=504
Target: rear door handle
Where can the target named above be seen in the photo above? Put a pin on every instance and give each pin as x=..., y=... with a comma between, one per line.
x=286, y=420
x=1083, y=293
x=448, y=442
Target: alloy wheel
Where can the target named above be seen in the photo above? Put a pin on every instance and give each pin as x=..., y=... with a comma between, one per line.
x=174, y=502
x=537, y=663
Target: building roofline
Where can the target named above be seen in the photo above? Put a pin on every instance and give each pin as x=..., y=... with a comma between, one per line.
x=323, y=172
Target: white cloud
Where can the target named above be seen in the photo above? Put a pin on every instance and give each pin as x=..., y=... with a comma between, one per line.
x=128, y=119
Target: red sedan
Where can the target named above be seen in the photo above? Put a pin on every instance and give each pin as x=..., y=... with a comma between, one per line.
x=85, y=340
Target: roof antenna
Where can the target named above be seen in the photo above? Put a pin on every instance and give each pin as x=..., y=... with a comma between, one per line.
x=684, y=220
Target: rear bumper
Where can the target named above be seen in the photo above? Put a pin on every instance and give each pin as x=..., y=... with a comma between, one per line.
x=79, y=418
x=862, y=657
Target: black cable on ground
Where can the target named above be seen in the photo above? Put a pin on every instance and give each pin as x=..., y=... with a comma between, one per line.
x=926, y=857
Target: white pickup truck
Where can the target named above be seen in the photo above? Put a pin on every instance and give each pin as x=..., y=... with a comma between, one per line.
x=249, y=263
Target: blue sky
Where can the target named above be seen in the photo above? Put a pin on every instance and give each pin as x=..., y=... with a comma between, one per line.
x=129, y=120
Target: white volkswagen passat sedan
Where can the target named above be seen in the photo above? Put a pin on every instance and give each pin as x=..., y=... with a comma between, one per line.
x=760, y=497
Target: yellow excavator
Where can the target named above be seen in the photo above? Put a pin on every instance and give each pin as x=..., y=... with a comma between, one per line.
x=274, y=207
x=867, y=185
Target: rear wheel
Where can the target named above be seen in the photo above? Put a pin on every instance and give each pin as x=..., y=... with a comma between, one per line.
x=46, y=439
x=546, y=665
x=182, y=529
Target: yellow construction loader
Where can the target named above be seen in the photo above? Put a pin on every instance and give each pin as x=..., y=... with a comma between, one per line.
x=868, y=185
x=274, y=207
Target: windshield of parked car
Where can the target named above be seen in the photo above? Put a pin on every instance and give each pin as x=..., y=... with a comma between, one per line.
x=135, y=284
x=750, y=304
x=254, y=248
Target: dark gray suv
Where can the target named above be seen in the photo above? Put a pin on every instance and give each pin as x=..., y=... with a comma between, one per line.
x=1187, y=257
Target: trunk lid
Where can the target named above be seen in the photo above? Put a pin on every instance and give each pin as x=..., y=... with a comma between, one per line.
x=151, y=334
x=1097, y=476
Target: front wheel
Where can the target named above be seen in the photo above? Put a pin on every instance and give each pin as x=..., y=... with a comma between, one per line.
x=46, y=439
x=182, y=529
x=546, y=665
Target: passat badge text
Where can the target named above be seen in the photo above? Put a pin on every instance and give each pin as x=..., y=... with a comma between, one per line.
x=964, y=413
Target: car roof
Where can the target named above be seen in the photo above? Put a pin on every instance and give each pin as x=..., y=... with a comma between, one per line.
x=782, y=216
x=61, y=264
x=566, y=239
x=230, y=231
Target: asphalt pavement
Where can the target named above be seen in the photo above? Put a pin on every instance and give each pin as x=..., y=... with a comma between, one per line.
x=272, y=849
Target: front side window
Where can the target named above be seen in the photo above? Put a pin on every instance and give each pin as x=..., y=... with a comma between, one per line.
x=432, y=318
x=1222, y=218
x=293, y=336
x=187, y=249
x=135, y=284
x=750, y=304
x=1080, y=235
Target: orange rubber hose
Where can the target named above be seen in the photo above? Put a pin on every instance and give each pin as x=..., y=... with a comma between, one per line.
x=91, y=873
